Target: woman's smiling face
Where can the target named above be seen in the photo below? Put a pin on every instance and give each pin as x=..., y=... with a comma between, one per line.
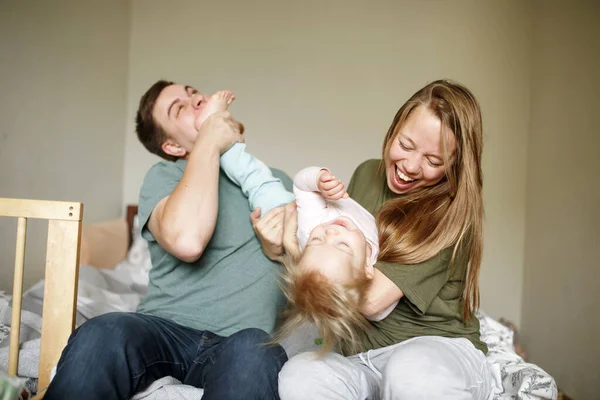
x=416, y=156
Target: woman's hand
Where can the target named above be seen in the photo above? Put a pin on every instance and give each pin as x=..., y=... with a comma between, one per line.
x=269, y=230
x=331, y=187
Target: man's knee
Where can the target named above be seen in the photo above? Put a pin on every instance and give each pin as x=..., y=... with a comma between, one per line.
x=254, y=350
x=104, y=338
x=422, y=370
x=108, y=331
x=249, y=338
x=245, y=360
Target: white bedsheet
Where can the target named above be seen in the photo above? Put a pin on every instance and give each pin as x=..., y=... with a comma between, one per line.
x=102, y=291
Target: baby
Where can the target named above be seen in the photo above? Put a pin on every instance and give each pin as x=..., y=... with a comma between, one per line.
x=338, y=240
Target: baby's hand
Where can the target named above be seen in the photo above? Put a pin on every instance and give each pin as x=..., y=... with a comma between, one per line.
x=331, y=187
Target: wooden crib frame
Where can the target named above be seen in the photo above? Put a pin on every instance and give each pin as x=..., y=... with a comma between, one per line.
x=61, y=276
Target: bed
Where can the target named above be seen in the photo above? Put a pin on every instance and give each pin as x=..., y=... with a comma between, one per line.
x=113, y=276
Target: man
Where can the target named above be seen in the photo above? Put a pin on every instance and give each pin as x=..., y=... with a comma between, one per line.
x=212, y=296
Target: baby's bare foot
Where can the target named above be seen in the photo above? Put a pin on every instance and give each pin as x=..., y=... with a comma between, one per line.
x=218, y=102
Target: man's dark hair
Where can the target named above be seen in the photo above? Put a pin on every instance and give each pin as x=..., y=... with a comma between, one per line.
x=149, y=132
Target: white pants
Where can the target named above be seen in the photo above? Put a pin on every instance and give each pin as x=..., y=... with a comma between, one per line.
x=429, y=367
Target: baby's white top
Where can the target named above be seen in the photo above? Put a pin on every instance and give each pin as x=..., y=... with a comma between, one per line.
x=314, y=209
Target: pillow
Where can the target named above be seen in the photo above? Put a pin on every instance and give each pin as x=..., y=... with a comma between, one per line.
x=104, y=245
x=137, y=262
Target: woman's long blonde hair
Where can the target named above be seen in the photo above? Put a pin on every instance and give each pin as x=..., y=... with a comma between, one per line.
x=415, y=227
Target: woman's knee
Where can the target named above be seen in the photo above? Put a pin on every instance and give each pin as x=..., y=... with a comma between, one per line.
x=299, y=377
x=425, y=369
x=306, y=376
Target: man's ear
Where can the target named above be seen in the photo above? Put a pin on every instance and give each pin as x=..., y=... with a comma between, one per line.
x=173, y=149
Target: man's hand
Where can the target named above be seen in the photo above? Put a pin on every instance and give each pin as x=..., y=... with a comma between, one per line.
x=290, y=231
x=330, y=187
x=221, y=131
x=269, y=230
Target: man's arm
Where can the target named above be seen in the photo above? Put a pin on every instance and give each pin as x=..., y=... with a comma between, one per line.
x=183, y=222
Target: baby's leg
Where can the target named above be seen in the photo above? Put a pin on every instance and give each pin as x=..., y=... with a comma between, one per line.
x=255, y=178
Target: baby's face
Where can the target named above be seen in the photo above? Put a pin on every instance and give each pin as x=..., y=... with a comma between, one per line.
x=337, y=249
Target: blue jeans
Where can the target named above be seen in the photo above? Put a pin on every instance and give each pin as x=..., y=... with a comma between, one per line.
x=116, y=355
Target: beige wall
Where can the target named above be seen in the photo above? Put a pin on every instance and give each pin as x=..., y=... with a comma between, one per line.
x=63, y=83
x=561, y=305
x=318, y=82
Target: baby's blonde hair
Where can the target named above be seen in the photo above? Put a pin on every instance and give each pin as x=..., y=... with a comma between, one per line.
x=334, y=308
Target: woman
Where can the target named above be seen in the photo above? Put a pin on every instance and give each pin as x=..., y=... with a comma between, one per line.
x=427, y=196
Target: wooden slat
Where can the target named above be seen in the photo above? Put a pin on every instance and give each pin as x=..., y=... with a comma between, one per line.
x=60, y=293
x=58, y=210
x=132, y=211
x=62, y=272
x=13, y=357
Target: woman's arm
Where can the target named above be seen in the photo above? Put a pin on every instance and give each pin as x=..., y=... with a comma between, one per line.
x=381, y=294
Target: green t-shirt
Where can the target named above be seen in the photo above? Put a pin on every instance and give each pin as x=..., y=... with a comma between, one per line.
x=232, y=286
x=431, y=305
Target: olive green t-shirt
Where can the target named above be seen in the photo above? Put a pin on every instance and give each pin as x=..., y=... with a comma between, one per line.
x=431, y=305
x=233, y=285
